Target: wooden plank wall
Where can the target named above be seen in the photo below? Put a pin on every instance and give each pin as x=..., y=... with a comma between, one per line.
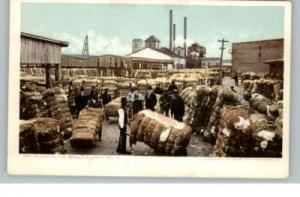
x=73, y=62
x=38, y=52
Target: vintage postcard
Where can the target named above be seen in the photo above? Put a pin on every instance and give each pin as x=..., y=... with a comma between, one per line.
x=166, y=88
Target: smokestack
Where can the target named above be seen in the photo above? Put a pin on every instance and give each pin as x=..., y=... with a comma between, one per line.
x=174, y=36
x=184, y=34
x=170, y=28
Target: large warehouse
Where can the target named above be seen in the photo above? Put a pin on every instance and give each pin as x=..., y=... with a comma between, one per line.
x=254, y=56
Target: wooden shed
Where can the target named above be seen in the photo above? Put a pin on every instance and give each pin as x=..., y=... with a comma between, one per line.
x=38, y=51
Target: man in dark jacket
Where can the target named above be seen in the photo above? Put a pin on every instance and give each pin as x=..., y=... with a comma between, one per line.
x=81, y=101
x=158, y=89
x=172, y=86
x=177, y=106
x=94, y=101
x=150, y=99
x=105, y=97
x=137, y=104
x=164, y=103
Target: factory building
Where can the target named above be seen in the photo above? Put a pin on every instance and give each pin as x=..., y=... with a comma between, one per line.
x=149, y=58
x=179, y=51
x=152, y=42
x=43, y=52
x=208, y=62
x=257, y=56
x=178, y=61
x=195, y=55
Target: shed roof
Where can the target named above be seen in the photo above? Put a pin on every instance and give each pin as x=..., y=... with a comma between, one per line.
x=151, y=54
x=44, y=39
x=273, y=61
x=152, y=39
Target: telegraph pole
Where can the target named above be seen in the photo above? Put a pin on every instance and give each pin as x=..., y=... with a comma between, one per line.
x=221, y=60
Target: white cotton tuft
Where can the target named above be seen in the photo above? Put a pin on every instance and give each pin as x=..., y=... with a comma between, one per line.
x=267, y=135
x=242, y=124
x=213, y=130
x=226, y=132
x=164, y=135
x=264, y=144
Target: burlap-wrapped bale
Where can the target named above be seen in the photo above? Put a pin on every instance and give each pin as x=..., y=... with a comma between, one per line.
x=234, y=136
x=41, y=135
x=264, y=105
x=28, y=142
x=189, y=97
x=198, y=121
x=269, y=88
x=225, y=97
x=111, y=108
x=86, y=128
x=30, y=104
x=89, y=84
x=49, y=135
x=163, y=134
x=112, y=86
x=267, y=138
x=56, y=102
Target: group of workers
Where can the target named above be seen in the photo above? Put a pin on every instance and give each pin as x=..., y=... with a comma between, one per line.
x=170, y=102
x=97, y=98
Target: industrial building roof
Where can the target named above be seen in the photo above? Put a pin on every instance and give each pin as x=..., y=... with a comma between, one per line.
x=148, y=53
x=152, y=39
x=80, y=56
x=254, y=41
x=44, y=39
x=169, y=52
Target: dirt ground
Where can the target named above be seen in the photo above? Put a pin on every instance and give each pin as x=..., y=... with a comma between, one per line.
x=110, y=136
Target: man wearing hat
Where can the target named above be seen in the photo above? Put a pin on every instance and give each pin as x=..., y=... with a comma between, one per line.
x=105, y=97
x=177, y=106
x=81, y=101
x=150, y=99
x=122, y=120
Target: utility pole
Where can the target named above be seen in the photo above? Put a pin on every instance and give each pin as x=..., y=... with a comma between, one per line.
x=221, y=60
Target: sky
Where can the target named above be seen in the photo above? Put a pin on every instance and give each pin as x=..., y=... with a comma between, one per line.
x=111, y=28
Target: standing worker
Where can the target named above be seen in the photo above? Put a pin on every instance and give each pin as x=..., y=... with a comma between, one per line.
x=236, y=78
x=105, y=97
x=122, y=120
x=81, y=101
x=71, y=99
x=164, y=102
x=130, y=97
x=177, y=106
x=137, y=104
x=150, y=99
x=82, y=85
x=158, y=89
x=172, y=86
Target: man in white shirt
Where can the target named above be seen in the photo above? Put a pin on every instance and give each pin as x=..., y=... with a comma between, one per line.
x=122, y=120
